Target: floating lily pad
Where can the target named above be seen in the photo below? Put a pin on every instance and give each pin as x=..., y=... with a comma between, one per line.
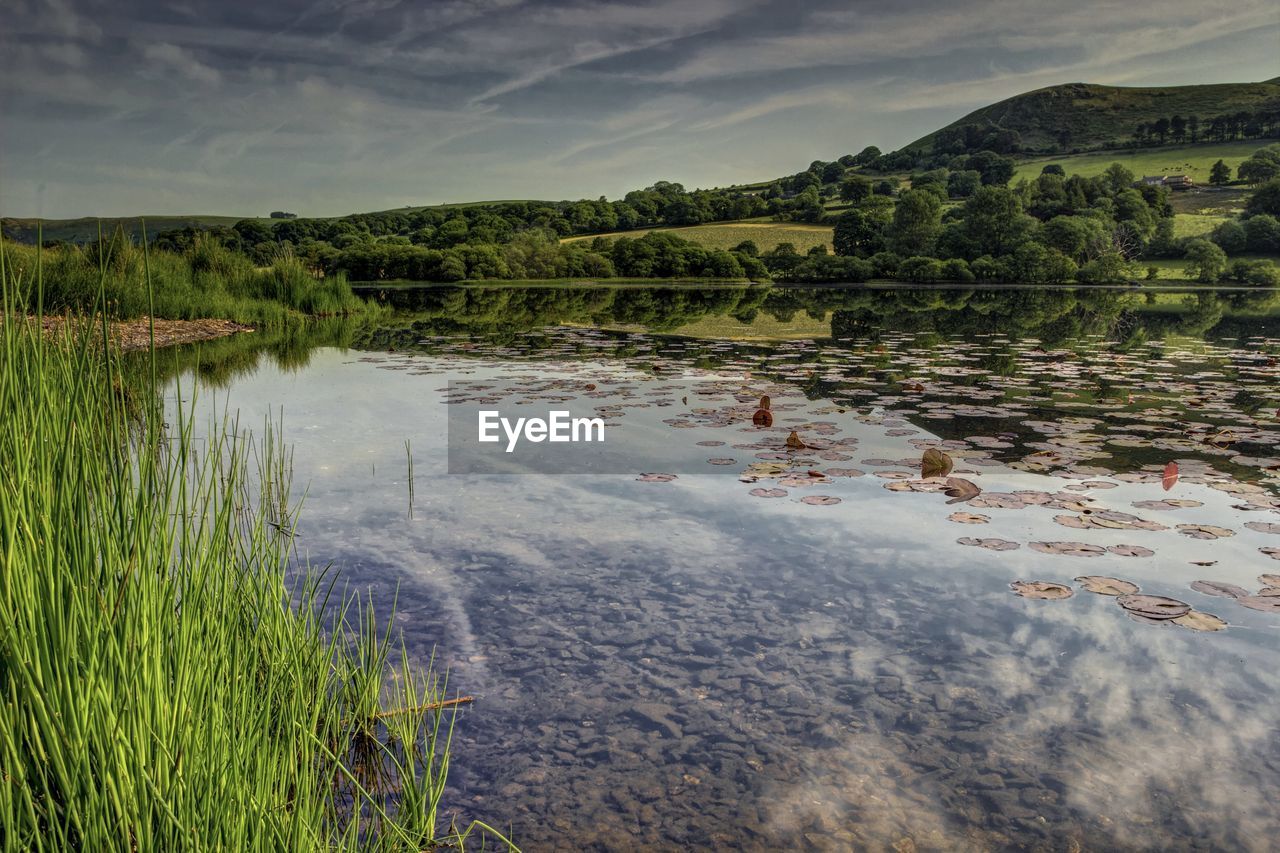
x=794, y=441
x=768, y=493
x=720, y=460
x=819, y=500
x=1265, y=603
x=1046, y=590
x=1205, y=531
x=656, y=478
x=1103, y=585
x=1218, y=588
x=1263, y=527
x=1130, y=550
x=1273, y=553
x=1269, y=580
x=711, y=444
x=1170, y=476
x=968, y=518
x=762, y=418
x=1068, y=549
x=1198, y=621
x=844, y=472
x=990, y=544
x=1153, y=606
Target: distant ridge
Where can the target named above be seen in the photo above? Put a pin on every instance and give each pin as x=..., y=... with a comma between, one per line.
x=1085, y=116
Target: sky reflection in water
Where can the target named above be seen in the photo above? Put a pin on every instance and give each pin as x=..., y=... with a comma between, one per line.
x=683, y=664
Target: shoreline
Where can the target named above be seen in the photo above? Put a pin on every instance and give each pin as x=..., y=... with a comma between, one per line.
x=136, y=334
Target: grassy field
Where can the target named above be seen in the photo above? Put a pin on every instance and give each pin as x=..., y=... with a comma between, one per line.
x=1193, y=160
x=725, y=235
x=1176, y=268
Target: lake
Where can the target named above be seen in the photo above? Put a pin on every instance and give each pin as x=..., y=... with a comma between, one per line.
x=726, y=640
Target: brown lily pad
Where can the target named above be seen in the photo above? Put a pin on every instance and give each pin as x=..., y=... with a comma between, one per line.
x=1130, y=550
x=768, y=493
x=1044, y=590
x=819, y=500
x=795, y=442
x=1199, y=621
x=960, y=490
x=935, y=463
x=968, y=518
x=1269, y=580
x=1103, y=585
x=1170, y=476
x=1153, y=606
x=990, y=544
x=1265, y=603
x=1222, y=590
x=1068, y=549
x=1263, y=527
x=1205, y=531
x=762, y=418
x=656, y=478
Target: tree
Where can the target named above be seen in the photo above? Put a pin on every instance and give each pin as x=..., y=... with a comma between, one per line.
x=1205, y=261
x=860, y=231
x=994, y=220
x=885, y=187
x=832, y=172
x=1178, y=127
x=994, y=169
x=1161, y=128
x=1220, y=174
x=1258, y=170
x=1262, y=234
x=963, y=184
x=1117, y=178
x=916, y=220
x=855, y=188
x=1230, y=236
x=1266, y=199
x=920, y=269
x=866, y=156
x=1053, y=169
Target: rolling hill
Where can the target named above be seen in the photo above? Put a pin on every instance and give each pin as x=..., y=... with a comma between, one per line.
x=1086, y=116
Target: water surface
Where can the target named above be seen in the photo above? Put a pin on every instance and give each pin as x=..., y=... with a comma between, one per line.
x=683, y=663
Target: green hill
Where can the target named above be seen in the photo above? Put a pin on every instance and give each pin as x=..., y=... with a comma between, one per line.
x=1078, y=117
x=86, y=229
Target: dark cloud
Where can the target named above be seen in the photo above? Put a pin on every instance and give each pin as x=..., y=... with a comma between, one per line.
x=326, y=107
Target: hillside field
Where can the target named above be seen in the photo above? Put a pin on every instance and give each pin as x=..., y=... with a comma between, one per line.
x=1193, y=160
x=725, y=235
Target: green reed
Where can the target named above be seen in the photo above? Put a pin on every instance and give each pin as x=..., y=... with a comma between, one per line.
x=164, y=684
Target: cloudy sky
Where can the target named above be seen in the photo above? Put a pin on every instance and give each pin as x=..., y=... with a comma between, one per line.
x=240, y=107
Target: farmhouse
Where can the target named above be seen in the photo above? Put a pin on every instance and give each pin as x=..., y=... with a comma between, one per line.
x=1173, y=182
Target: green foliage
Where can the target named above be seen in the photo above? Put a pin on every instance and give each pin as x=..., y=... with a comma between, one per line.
x=1266, y=199
x=1220, y=174
x=1262, y=166
x=1205, y=261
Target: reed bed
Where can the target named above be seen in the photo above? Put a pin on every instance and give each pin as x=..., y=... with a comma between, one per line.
x=207, y=280
x=170, y=678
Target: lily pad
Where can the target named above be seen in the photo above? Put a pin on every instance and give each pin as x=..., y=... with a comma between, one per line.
x=819, y=500
x=1263, y=527
x=1269, y=580
x=968, y=518
x=1103, y=585
x=935, y=463
x=1223, y=590
x=1170, y=476
x=1199, y=621
x=960, y=490
x=1265, y=603
x=656, y=478
x=990, y=544
x=1068, y=549
x=1130, y=550
x=1205, y=531
x=1045, y=590
x=1153, y=606
x=768, y=493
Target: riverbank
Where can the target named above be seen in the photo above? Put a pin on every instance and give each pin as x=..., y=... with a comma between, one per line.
x=138, y=334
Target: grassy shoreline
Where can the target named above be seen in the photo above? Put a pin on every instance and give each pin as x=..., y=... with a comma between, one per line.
x=163, y=683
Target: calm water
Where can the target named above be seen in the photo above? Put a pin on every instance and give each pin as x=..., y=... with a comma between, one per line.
x=683, y=663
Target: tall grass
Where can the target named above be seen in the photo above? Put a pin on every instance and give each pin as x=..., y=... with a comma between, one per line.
x=208, y=280
x=163, y=684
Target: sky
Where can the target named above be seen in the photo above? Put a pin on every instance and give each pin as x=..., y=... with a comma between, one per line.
x=241, y=107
